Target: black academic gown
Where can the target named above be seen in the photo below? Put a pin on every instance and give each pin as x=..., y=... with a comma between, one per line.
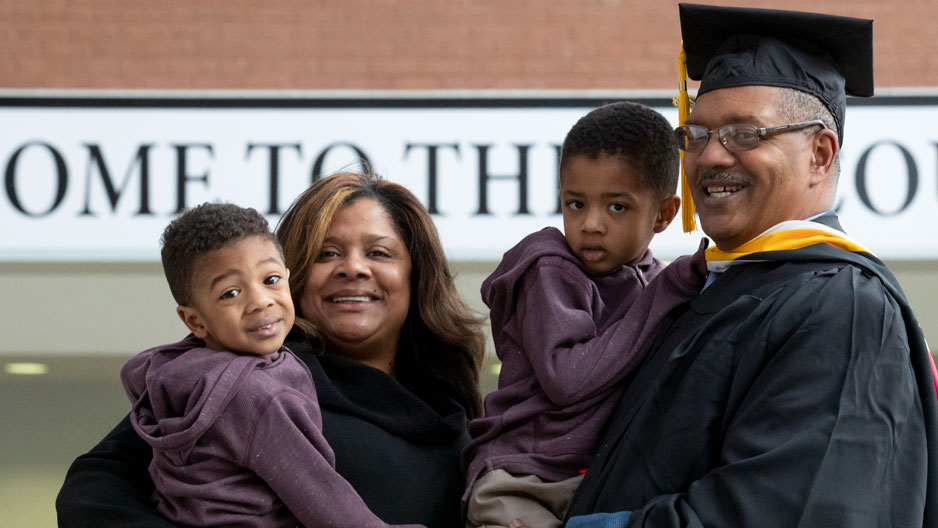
x=793, y=392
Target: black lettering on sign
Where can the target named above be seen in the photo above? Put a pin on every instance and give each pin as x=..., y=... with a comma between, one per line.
x=485, y=176
x=182, y=172
x=321, y=158
x=432, y=170
x=273, y=207
x=96, y=159
x=61, y=174
x=911, y=174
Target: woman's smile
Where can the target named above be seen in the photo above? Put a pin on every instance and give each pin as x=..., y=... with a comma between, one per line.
x=358, y=291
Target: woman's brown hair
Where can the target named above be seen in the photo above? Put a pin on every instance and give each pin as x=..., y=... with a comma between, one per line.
x=441, y=342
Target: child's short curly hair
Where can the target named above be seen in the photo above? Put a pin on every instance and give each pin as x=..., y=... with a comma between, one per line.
x=633, y=131
x=202, y=229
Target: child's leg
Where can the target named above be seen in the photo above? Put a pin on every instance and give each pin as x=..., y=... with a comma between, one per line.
x=498, y=498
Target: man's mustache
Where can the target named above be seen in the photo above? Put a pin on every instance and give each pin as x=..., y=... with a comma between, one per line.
x=720, y=177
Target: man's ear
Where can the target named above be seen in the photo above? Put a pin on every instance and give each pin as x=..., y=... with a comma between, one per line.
x=824, y=148
x=193, y=321
x=667, y=210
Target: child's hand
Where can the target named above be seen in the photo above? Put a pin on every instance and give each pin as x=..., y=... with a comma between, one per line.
x=690, y=270
x=699, y=258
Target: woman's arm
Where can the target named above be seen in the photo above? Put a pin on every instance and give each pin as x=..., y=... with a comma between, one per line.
x=109, y=486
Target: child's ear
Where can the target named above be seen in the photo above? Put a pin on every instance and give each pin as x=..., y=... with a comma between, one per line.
x=193, y=321
x=667, y=210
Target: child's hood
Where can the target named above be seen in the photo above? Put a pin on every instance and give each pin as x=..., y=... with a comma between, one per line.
x=179, y=390
x=499, y=290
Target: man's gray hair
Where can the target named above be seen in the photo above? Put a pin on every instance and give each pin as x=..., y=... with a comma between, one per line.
x=796, y=106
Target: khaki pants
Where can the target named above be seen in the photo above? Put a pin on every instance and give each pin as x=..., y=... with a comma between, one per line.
x=498, y=498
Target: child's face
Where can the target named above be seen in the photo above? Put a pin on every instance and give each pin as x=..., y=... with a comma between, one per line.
x=241, y=298
x=609, y=213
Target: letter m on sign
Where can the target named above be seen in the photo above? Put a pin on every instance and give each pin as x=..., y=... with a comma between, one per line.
x=96, y=161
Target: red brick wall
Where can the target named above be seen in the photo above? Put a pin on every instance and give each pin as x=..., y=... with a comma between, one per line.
x=385, y=44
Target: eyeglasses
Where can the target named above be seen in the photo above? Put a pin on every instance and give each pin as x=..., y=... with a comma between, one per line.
x=694, y=138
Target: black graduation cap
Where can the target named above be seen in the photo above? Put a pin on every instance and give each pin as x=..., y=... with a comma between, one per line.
x=823, y=55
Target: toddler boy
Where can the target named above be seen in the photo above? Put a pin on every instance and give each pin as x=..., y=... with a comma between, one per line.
x=231, y=414
x=572, y=314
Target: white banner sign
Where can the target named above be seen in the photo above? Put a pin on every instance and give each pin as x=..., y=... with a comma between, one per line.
x=98, y=180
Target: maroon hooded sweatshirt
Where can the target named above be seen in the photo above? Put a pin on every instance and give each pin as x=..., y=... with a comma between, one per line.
x=566, y=340
x=237, y=440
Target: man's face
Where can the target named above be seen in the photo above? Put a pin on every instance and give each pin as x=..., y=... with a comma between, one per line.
x=741, y=194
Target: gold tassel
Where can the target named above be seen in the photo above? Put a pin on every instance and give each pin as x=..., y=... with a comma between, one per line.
x=683, y=109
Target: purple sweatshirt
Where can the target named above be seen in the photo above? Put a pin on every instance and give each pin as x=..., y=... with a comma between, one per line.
x=566, y=340
x=237, y=440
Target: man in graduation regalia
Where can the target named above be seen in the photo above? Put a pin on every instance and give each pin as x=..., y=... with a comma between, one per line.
x=797, y=389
